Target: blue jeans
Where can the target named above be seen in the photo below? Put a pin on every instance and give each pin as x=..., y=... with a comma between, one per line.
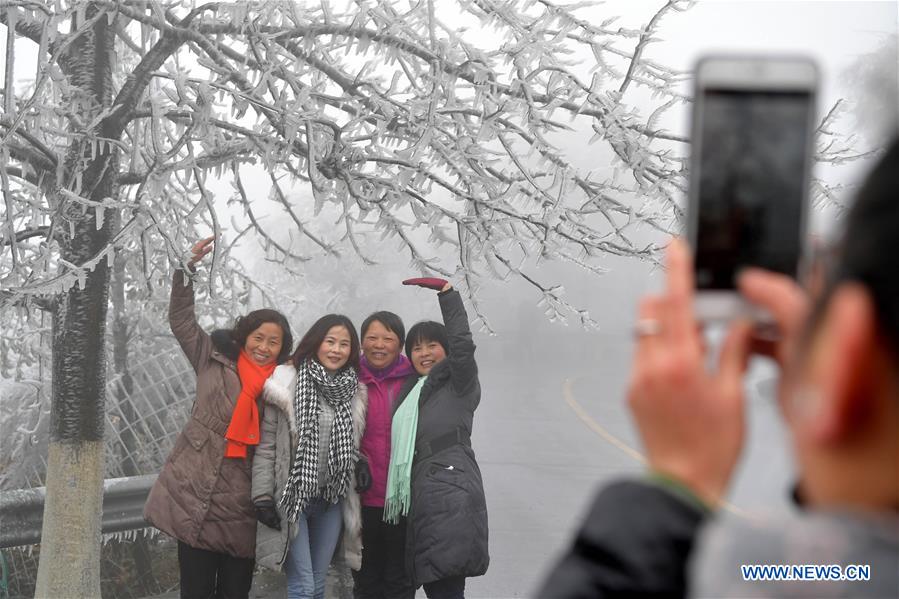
x=310, y=552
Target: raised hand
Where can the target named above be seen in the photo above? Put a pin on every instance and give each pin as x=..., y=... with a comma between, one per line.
x=430, y=283
x=690, y=419
x=200, y=249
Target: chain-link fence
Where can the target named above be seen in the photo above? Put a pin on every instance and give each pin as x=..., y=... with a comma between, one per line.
x=146, y=409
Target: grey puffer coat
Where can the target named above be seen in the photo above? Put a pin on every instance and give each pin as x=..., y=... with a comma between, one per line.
x=202, y=498
x=273, y=462
x=447, y=520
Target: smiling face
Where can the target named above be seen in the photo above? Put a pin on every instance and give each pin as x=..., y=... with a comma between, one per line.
x=264, y=344
x=334, y=351
x=380, y=345
x=425, y=355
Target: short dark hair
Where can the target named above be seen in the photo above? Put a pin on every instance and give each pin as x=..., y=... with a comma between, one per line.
x=391, y=322
x=255, y=319
x=867, y=253
x=425, y=331
x=312, y=340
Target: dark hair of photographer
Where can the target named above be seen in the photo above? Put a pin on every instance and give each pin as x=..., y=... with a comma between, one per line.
x=868, y=252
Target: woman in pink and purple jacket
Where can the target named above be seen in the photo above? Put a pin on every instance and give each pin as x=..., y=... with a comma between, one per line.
x=383, y=369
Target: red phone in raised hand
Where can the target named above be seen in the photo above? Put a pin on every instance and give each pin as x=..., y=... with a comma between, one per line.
x=428, y=282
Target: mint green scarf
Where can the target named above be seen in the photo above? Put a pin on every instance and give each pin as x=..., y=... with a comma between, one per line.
x=402, y=451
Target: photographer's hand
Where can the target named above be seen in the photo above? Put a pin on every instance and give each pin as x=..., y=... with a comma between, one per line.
x=691, y=420
x=785, y=301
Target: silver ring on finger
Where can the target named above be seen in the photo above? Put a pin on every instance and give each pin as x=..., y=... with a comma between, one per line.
x=647, y=327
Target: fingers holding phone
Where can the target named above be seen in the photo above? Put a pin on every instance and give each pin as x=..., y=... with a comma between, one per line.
x=786, y=302
x=753, y=124
x=690, y=418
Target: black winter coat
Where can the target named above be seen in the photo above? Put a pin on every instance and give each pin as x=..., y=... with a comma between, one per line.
x=447, y=520
x=635, y=542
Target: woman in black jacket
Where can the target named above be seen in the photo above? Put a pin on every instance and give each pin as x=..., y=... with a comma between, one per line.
x=446, y=508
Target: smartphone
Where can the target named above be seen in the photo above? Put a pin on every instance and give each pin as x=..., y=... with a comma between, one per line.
x=751, y=153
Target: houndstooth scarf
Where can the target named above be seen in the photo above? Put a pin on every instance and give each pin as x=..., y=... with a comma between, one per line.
x=338, y=390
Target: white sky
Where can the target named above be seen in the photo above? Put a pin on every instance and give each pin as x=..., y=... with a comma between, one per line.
x=834, y=33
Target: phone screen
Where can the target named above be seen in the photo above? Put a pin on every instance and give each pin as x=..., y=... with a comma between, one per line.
x=752, y=170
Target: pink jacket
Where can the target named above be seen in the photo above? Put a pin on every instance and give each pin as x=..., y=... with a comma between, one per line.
x=383, y=389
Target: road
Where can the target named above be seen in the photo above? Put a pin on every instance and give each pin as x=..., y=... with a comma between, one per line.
x=546, y=443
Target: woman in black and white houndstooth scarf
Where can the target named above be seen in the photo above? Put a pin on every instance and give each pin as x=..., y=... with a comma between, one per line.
x=302, y=485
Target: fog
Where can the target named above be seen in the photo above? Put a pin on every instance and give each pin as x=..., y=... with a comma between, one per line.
x=552, y=424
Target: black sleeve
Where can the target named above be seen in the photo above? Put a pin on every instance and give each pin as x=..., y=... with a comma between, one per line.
x=635, y=542
x=464, y=370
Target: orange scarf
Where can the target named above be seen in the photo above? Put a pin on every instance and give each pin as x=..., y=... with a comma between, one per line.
x=244, y=427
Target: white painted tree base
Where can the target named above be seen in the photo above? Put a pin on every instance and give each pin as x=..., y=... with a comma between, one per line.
x=70, y=535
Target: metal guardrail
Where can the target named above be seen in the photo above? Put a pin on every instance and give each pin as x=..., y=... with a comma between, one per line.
x=22, y=511
x=22, y=514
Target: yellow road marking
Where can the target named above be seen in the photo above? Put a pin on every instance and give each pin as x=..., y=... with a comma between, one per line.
x=597, y=428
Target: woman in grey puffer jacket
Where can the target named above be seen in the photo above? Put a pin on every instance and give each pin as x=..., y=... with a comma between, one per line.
x=303, y=472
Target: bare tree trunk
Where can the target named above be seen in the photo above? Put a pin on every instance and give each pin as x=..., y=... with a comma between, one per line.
x=144, y=582
x=70, y=537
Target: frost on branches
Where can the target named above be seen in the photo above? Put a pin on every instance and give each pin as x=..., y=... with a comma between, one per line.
x=436, y=124
x=405, y=123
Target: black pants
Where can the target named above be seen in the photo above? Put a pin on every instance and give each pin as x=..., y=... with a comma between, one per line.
x=211, y=575
x=447, y=588
x=383, y=572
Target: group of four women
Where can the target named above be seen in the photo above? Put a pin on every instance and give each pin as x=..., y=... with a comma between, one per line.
x=285, y=450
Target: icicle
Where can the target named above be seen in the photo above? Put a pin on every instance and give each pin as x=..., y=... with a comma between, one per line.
x=60, y=172
x=82, y=278
x=99, y=214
